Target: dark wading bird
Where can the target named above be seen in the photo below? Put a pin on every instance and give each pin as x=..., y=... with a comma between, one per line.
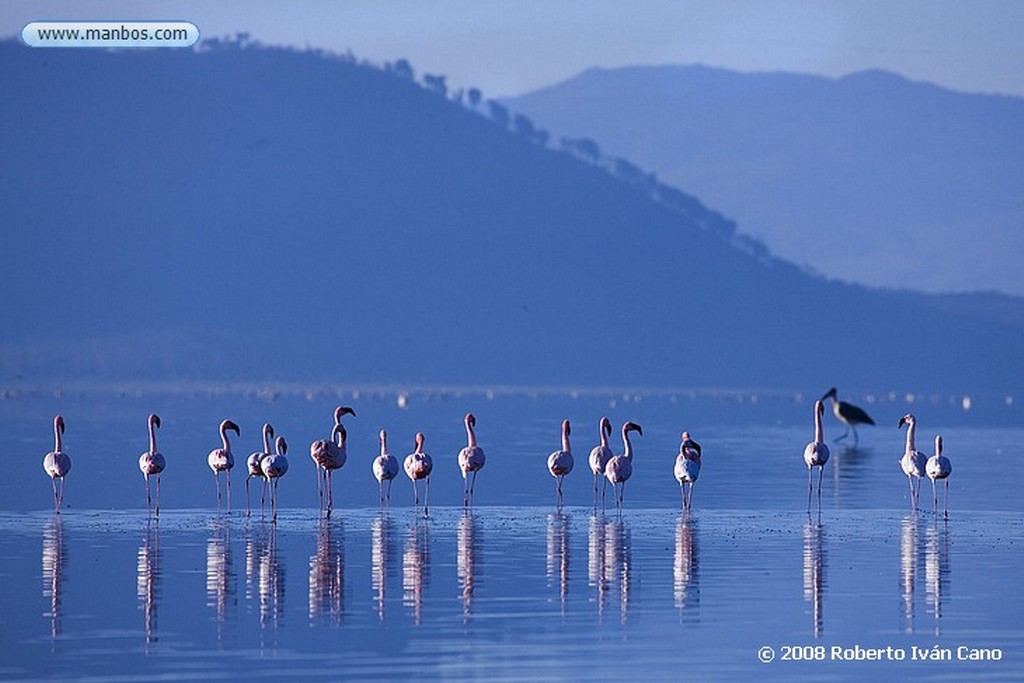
x=57, y=463
x=847, y=413
x=152, y=462
x=816, y=454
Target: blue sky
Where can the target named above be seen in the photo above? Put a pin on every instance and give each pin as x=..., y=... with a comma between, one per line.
x=514, y=46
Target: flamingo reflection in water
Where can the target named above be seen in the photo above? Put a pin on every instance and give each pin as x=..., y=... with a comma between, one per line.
x=908, y=568
x=558, y=555
x=610, y=562
x=416, y=567
x=686, y=565
x=147, y=578
x=271, y=582
x=936, y=569
x=220, y=579
x=814, y=572
x=327, y=573
x=55, y=558
x=466, y=544
x=382, y=552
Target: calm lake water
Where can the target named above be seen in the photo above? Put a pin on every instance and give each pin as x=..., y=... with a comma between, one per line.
x=512, y=589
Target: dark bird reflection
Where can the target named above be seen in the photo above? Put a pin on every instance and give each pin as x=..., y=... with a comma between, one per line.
x=416, y=567
x=147, y=577
x=686, y=567
x=327, y=573
x=558, y=555
x=467, y=538
x=609, y=561
x=908, y=568
x=936, y=569
x=220, y=579
x=382, y=552
x=54, y=562
x=814, y=571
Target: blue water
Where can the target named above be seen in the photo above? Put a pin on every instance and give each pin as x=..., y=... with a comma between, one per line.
x=512, y=589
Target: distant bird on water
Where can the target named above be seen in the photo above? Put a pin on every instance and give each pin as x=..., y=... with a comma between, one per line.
x=419, y=465
x=620, y=468
x=913, y=461
x=471, y=459
x=560, y=463
x=599, y=457
x=329, y=455
x=57, y=463
x=385, y=468
x=275, y=466
x=252, y=463
x=939, y=467
x=222, y=460
x=687, y=468
x=152, y=462
x=847, y=413
x=816, y=453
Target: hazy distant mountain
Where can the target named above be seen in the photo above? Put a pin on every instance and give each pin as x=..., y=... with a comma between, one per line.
x=260, y=213
x=869, y=178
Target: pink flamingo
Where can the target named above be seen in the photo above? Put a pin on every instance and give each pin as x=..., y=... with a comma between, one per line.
x=418, y=465
x=329, y=455
x=221, y=459
x=253, y=465
x=471, y=459
x=620, y=468
x=152, y=462
x=816, y=453
x=275, y=466
x=560, y=463
x=687, y=468
x=913, y=461
x=57, y=463
x=939, y=467
x=600, y=456
x=385, y=467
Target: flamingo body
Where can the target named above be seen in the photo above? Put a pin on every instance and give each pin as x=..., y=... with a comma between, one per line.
x=560, y=463
x=687, y=468
x=329, y=455
x=620, y=468
x=222, y=460
x=57, y=463
x=816, y=453
x=600, y=455
x=152, y=462
x=275, y=466
x=418, y=465
x=939, y=467
x=471, y=458
x=913, y=461
x=385, y=467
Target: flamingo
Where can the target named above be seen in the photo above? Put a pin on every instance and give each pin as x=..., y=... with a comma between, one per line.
x=253, y=464
x=913, y=461
x=274, y=466
x=939, y=467
x=221, y=459
x=418, y=465
x=847, y=413
x=57, y=463
x=600, y=455
x=816, y=453
x=385, y=467
x=471, y=458
x=560, y=463
x=687, y=468
x=152, y=462
x=329, y=455
x=620, y=468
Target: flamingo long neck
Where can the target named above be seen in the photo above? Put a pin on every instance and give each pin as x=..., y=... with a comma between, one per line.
x=819, y=433
x=911, y=424
x=419, y=445
x=224, y=437
x=383, y=443
x=629, y=445
x=58, y=442
x=266, y=438
x=152, y=436
x=565, y=439
x=340, y=436
x=470, y=435
x=604, y=437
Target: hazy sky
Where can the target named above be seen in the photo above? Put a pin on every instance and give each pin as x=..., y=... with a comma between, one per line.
x=508, y=47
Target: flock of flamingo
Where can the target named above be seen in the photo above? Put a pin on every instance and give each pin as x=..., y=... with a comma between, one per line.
x=330, y=454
